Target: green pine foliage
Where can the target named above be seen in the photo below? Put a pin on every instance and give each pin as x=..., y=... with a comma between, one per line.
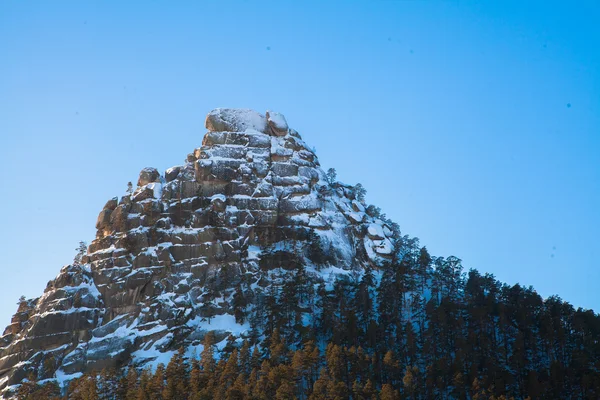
x=419, y=329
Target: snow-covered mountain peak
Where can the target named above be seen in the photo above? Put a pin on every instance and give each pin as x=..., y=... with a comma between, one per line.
x=171, y=259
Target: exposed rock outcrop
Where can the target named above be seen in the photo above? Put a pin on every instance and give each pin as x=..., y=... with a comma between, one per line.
x=168, y=257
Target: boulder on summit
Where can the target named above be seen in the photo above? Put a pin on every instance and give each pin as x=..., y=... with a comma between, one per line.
x=235, y=120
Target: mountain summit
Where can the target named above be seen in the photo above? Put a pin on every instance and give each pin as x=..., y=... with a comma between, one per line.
x=171, y=258
x=253, y=274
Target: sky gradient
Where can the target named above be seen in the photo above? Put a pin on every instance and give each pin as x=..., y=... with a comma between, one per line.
x=475, y=126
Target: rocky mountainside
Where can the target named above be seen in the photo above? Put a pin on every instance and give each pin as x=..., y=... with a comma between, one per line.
x=193, y=250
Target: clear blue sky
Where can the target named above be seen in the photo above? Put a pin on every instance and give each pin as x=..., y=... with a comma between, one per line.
x=475, y=126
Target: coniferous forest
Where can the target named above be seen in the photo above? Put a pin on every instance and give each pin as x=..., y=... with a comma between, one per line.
x=420, y=328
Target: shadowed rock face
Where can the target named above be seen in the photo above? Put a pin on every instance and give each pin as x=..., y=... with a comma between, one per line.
x=168, y=257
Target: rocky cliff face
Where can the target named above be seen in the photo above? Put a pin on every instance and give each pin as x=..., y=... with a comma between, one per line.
x=248, y=205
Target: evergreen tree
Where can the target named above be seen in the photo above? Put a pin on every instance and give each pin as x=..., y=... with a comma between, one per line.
x=320, y=390
x=285, y=391
x=176, y=375
x=195, y=383
x=388, y=392
x=239, y=305
x=239, y=390
x=245, y=361
x=207, y=362
x=331, y=176
x=360, y=192
x=157, y=384
x=132, y=385
x=144, y=385
x=81, y=252
x=230, y=372
x=411, y=383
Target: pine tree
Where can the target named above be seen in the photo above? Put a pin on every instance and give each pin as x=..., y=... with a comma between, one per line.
x=176, y=376
x=320, y=391
x=278, y=349
x=239, y=390
x=331, y=176
x=263, y=388
x=144, y=385
x=299, y=370
x=207, y=357
x=337, y=390
x=231, y=371
x=245, y=363
x=410, y=381
x=81, y=252
x=255, y=359
x=312, y=361
x=364, y=301
x=388, y=393
x=316, y=252
x=360, y=192
x=84, y=388
x=157, y=384
x=423, y=272
x=195, y=383
x=368, y=390
x=273, y=310
x=285, y=391
x=239, y=305
x=357, y=391
x=132, y=384
x=391, y=367
x=335, y=362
